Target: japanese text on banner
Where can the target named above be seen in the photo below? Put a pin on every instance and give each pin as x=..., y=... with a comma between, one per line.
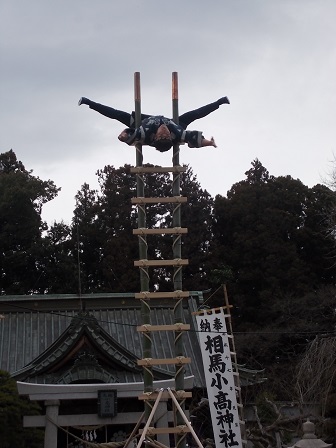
x=215, y=347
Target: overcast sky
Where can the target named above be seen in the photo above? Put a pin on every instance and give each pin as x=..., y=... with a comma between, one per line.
x=274, y=59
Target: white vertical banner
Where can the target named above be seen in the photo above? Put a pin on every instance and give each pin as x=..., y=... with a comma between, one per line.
x=217, y=363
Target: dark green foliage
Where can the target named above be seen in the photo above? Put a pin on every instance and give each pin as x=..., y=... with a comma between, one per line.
x=97, y=252
x=273, y=244
x=104, y=221
x=87, y=239
x=269, y=235
x=271, y=232
x=197, y=215
x=21, y=198
x=12, y=409
x=103, y=224
x=270, y=240
x=58, y=259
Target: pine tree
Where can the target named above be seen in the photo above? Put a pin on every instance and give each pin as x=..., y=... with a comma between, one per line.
x=22, y=196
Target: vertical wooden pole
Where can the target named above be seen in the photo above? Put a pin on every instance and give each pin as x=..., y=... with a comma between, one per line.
x=177, y=245
x=144, y=277
x=177, y=253
x=176, y=149
x=137, y=102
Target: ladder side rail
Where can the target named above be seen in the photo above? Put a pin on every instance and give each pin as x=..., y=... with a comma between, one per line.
x=177, y=279
x=144, y=276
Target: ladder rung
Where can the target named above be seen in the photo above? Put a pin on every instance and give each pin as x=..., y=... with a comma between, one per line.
x=163, y=200
x=176, y=430
x=160, y=231
x=158, y=361
x=175, y=262
x=161, y=295
x=158, y=169
x=165, y=395
x=174, y=327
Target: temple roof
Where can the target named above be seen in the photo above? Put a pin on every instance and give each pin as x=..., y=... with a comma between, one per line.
x=50, y=339
x=79, y=355
x=63, y=339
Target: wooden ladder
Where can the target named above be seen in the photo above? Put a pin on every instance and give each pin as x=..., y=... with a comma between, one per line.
x=178, y=395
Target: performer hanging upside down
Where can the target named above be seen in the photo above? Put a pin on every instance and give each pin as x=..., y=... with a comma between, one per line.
x=159, y=131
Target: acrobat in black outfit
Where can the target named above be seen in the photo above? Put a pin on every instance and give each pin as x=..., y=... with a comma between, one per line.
x=159, y=131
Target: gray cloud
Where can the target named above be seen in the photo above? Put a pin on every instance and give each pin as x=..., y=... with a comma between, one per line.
x=275, y=60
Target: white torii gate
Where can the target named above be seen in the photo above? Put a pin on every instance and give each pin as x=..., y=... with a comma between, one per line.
x=52, y=394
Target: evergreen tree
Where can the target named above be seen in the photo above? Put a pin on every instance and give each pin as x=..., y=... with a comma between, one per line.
x=58, y=261
x=197, y=215
x=270, y=233
x=87, y=239
x=12, y=409
x=22, y=196
x=266, y=231
x=105, y=220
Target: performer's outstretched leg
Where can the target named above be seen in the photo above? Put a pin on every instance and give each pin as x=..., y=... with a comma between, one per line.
x=110, y=112
x=189, y=117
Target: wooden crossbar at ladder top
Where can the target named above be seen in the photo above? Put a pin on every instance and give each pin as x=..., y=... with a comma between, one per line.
x=162, y=295
x=175, y=262
x=158, y=169
x=179, y=360
x=160, y=231
x=167, y=200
